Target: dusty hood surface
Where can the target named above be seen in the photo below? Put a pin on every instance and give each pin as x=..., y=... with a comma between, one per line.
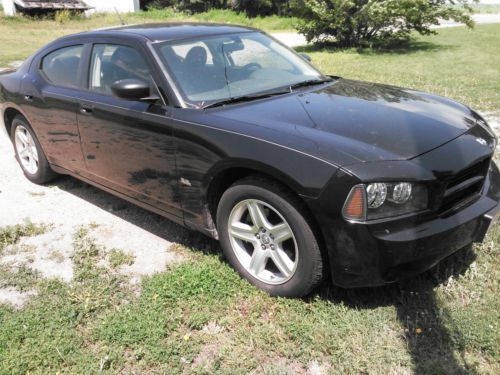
x=363, y=121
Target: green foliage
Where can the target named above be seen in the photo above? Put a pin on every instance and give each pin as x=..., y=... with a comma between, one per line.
x=193, y=6
x=119, y=258
x=356, y=22
x=11, y=234
x=21, y=278
x=63, y=16
x=251, y=8
x=199, y=316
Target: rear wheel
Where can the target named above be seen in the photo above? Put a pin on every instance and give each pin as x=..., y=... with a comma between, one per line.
x=265, y=236
x=29, y=153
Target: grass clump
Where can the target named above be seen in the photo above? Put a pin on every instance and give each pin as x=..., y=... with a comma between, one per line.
x=117, y=258
x=20, y=277
x=63, y=16
x=10, y=235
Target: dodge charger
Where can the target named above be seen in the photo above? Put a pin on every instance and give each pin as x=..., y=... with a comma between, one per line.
x=301, y=176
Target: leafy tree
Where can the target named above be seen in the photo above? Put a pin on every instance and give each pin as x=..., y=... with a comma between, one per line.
x=357, y=22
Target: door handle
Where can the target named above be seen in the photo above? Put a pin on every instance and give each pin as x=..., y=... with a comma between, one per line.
x=28, y=98
x=84, y=110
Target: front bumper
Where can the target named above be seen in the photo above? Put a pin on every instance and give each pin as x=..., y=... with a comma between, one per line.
x=372, y=254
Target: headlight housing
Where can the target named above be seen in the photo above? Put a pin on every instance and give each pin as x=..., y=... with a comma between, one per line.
x=379, y=200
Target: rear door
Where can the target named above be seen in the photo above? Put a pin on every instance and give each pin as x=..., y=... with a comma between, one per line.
x=50, y=99
x=127, y=145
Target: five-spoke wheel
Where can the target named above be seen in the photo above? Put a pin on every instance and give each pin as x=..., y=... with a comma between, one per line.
x=263, y=241
x=267, y=238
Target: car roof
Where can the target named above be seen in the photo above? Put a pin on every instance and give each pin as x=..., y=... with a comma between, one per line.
x=159, y=32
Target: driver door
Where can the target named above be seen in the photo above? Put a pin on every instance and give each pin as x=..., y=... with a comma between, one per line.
x=127, y=145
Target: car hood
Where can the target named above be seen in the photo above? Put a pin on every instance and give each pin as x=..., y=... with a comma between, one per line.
x=358, y=121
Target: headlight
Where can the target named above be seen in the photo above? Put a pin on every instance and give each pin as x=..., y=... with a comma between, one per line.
x=382, y=199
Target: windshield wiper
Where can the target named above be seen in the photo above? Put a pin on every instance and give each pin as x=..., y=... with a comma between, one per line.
x=310, y=82
x=248, y=98
x=245, y=98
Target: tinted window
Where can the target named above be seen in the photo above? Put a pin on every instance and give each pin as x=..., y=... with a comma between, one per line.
x=61, y=66
x=111, y=63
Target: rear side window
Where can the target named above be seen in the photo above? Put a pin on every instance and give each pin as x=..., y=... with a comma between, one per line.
x=61, y=66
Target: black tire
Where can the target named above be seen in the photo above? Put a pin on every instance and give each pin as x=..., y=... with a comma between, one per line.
x=43, y=173
x=309, y=268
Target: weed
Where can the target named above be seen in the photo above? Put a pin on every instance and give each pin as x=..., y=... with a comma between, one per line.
x=117, y=258
x=10, y=235
x=21, y=277
x=56, y=256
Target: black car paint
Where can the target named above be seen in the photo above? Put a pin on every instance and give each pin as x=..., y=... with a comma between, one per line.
x=318, y=141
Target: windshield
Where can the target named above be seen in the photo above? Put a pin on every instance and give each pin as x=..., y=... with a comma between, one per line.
x=213, y=69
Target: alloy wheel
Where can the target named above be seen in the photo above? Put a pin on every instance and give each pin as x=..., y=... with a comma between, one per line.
x=26, y=149
x=263, y=241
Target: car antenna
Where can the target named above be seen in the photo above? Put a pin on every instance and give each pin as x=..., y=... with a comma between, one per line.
x=120, y=17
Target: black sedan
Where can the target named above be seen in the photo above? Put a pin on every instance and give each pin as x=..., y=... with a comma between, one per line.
x=224, y=130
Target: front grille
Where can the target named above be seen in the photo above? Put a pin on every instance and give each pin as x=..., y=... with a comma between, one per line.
x=465, y=186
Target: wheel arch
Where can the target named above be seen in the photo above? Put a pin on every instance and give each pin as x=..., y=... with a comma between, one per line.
x=225, y=176
x=9, y=113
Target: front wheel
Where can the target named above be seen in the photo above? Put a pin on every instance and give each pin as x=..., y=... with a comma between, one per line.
x=267, y=239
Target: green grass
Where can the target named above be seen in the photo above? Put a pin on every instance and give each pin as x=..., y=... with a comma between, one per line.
x=117, y=258
x=458, y=63
x=20, y=277
x=200, y=317
x=10, y=235
x=486, y=8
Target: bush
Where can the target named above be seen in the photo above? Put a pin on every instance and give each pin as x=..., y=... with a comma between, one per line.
x=358, y=22
x=193, y=6
x=63, y=16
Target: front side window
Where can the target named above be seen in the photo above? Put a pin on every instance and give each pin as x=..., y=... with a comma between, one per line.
x=217, y=68
x=61, y=67
x=111, y=63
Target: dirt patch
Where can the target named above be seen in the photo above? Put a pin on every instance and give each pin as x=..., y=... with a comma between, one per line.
x=14, y=297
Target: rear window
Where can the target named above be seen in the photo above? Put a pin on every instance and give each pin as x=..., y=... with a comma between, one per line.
x=61, y=66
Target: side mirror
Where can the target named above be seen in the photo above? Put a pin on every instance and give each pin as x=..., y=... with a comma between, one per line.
x=132, y=89
x=305, y=56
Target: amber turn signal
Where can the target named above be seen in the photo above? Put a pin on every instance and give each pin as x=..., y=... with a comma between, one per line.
x=355, y=205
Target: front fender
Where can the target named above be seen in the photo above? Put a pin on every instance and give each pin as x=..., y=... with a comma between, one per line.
x=203, y=152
